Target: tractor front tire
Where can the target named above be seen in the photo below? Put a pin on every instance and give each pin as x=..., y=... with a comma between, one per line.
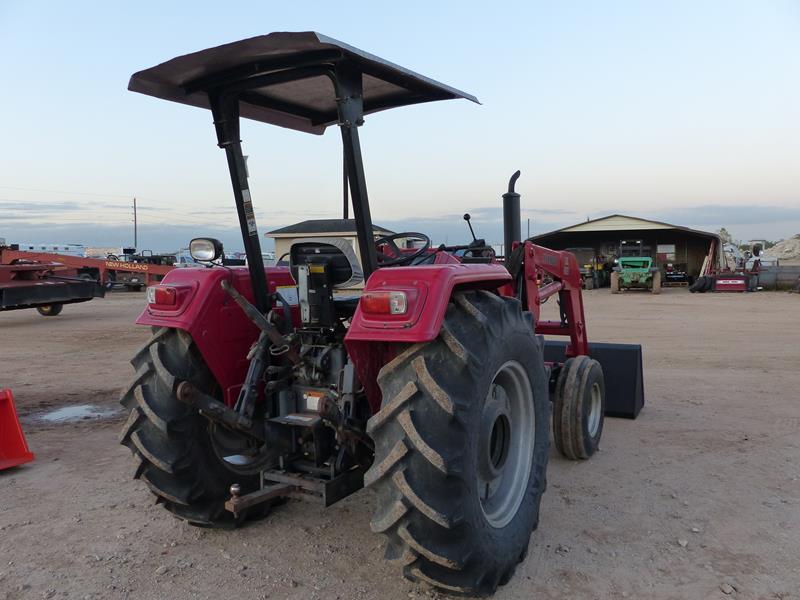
x=50, y=310
x=656, y=284
x=615, y=283
x=579, y=408
x=172, y=444
x=461, y=447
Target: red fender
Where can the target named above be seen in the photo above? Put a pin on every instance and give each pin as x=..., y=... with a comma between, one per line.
x=219, y=328
x=428, y=289
x=372, y=341
x=223, y=334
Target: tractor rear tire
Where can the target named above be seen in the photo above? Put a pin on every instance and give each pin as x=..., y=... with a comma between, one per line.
x=461, y=447
x=50, y=310
x=579, y=408
x=656, y=289
x=172, y=443
x=615, y=283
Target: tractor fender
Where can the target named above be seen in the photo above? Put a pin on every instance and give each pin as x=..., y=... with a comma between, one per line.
x=374, y=340
x=428, y=289
x=220, y=329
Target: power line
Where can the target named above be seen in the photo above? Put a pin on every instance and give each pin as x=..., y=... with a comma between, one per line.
x=22, y=189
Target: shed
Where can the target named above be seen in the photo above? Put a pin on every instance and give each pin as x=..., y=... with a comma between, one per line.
x=623, y=235
x=339, y=228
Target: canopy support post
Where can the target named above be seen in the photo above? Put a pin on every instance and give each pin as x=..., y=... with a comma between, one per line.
x=225, y=109
x=350, y=105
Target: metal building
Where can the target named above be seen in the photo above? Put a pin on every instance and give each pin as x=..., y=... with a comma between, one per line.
x=623, y=235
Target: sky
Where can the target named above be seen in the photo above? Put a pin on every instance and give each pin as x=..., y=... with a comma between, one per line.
x=685, y=111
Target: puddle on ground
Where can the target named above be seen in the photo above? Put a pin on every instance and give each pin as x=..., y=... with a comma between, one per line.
x=68, y=414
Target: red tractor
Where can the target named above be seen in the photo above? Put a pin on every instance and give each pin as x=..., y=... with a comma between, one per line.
x=430, y=386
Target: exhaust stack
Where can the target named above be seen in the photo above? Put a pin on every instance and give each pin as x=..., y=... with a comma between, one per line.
x=512, y=229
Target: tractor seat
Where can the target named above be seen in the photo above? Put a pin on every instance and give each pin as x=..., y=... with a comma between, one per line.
x=339, y=261
x=343, y=267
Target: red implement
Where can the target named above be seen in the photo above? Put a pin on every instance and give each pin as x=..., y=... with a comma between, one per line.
x=13, y=447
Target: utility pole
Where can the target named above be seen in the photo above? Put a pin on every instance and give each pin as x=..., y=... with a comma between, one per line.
x=529, y=229
x=135, y=226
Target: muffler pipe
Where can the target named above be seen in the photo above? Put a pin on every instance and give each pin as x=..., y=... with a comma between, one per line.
x=512, y=228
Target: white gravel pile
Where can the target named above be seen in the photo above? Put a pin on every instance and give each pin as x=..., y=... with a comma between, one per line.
x=787, y=249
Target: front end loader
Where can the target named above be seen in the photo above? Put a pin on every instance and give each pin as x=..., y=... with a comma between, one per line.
x=429, y=386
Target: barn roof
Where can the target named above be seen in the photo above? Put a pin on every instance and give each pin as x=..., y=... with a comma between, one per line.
x=619, y=222
x=323, y=226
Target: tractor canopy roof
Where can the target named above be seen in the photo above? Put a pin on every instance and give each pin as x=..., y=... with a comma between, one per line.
x=635, y=262
x=285, y=79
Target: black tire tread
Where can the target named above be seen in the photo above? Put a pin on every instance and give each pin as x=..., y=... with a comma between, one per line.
x=568, y=424
x=50, y=310
x=572, y=440
x=169, y=440
x=421, y=522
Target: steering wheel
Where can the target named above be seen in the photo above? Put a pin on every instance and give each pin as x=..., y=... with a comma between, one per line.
x=397, y=257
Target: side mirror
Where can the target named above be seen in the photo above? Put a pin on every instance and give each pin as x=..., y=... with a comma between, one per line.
x=205, y=249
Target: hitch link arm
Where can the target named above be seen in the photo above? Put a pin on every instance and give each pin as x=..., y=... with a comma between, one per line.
x=215, y=410
x=258, y=355
x=260, y=321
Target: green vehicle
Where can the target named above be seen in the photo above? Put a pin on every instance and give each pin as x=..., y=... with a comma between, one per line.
x=635, y=272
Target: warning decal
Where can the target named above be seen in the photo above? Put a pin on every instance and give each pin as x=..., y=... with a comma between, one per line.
x=249, y=216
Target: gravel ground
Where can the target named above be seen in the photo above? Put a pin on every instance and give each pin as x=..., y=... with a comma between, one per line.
x=698, y=498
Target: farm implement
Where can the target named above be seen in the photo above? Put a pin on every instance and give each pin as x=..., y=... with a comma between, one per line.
x=26, y=283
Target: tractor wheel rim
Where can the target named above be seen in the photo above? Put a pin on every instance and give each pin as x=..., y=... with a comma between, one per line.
x=237, y=455
x=595, y=409
x=505, y=453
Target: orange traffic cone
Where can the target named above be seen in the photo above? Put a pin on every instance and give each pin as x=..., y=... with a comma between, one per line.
x=13, y=447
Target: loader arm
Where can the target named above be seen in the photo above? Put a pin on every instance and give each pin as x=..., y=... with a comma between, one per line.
x=540, y=273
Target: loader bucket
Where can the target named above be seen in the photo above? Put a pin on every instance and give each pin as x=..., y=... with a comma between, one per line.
x=13, y=447
x=622, y=369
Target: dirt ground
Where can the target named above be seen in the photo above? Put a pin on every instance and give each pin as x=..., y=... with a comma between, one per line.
x=700, y=493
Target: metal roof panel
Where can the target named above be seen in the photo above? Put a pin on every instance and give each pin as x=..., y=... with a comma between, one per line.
x=306, y=100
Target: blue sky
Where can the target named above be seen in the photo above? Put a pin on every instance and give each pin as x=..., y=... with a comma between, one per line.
x=687, y=112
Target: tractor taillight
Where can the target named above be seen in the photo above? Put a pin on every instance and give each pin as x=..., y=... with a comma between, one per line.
x=384, y=303
x=162, y=295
